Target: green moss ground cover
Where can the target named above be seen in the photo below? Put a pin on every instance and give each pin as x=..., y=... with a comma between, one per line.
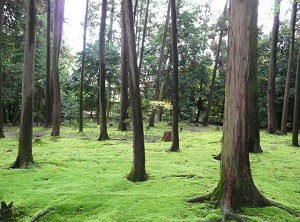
x=81, y=179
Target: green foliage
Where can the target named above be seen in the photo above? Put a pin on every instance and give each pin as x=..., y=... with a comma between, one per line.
x=85, y=180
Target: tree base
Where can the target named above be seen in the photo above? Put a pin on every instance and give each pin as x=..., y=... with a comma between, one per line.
x=103, y=136
x=22, y=164
x=134, y=176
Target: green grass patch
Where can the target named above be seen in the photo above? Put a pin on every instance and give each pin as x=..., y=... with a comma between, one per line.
x=81, y=179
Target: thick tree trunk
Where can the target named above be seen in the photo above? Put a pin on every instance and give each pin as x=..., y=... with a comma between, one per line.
x=103, y=123
x=124, y=75
x=138, y=171
x=159, y=68
x=295, y=141
x=236, y=188
x=82, y=68
x=285, y=107
x=25, y=157
x=1, y=75
x=213, y=79
x=49, y=92
x=272, y=120
x=175, y=97
x=57, y=36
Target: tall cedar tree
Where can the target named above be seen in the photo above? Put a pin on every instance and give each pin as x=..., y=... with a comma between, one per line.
x=59, y=6
x=138, y=171
x=124, y=75
x=82, y=67
x=295, y=135
x=213, y=79
x=272, y=119
x=1, y=75
x=236, y=188
x=159, y=68
x=49, y=95
x=103, y=123
x=175, y=97
x=25, y=158
x=285, y=108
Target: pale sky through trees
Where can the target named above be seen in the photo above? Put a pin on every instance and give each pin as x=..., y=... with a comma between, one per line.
x=75, y=9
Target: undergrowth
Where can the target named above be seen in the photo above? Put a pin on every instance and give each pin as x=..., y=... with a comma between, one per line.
x=77, y=178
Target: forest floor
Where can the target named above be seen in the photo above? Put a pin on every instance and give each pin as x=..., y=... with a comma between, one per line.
x=77, y=178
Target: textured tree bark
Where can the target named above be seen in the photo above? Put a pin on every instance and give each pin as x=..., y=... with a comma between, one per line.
x=175, y=97
x=213, y=79
x=124, y=75
x=157, y=96
x=83, y=67
x=138, y=171
x=285, y=107
x=57, y=36
x=236, y=188
x=295, y=141
x=1, y=75
x=272, y=120
x=103, y=122
x=25, y=157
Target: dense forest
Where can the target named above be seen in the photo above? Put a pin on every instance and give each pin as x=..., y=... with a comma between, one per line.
x=144, y=63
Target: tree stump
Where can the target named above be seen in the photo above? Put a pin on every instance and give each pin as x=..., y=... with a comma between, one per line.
x=167, y=137
x=6, y=210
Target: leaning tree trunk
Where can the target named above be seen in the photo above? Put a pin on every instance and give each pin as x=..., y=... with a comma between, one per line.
x=295, y=141
x=124, y=75
x=236, y=188
x=159, y=68
x=49, y=92
x=285, y=107
x=103, y=123
x=175, y=97
x=1, y=75
x=213, y=79
x=82, y=67
x=272, y=120
x=57, y=36
x=25, y=157
x=138, y=171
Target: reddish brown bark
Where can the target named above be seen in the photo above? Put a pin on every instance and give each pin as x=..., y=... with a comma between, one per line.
x=1, y=75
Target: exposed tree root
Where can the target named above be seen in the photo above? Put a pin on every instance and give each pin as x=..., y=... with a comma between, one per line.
x=41, y=214
x=228, y=214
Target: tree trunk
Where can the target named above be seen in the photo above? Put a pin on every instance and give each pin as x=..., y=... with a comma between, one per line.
x=1, y=75
x=236, y=188
x=295, y=141
x=175, y=97
x=103, y=123
x=25, y=157
x=213, y=79
x=159, y=68
x=138, y=171
x=124, y=75
x=272, y=120
x=49, y=92
x=285, y=107
x=57, y=36
x=82, y=68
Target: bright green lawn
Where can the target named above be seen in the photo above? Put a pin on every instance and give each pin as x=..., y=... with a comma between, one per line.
x=85, y=180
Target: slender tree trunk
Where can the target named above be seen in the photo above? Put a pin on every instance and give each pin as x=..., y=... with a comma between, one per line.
x=82, y=68
x=25, y=157
x=295, y=141
x=272, y=120
x=124, y=75
x=138, y=171
x=49, y=92
x=213, y=79
x=103, y=123
x=144, y=37
x=159, y=69
x=1, y=75
x=285, y=107
x=236, y=188
x=57, y=37
x=175, y=97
